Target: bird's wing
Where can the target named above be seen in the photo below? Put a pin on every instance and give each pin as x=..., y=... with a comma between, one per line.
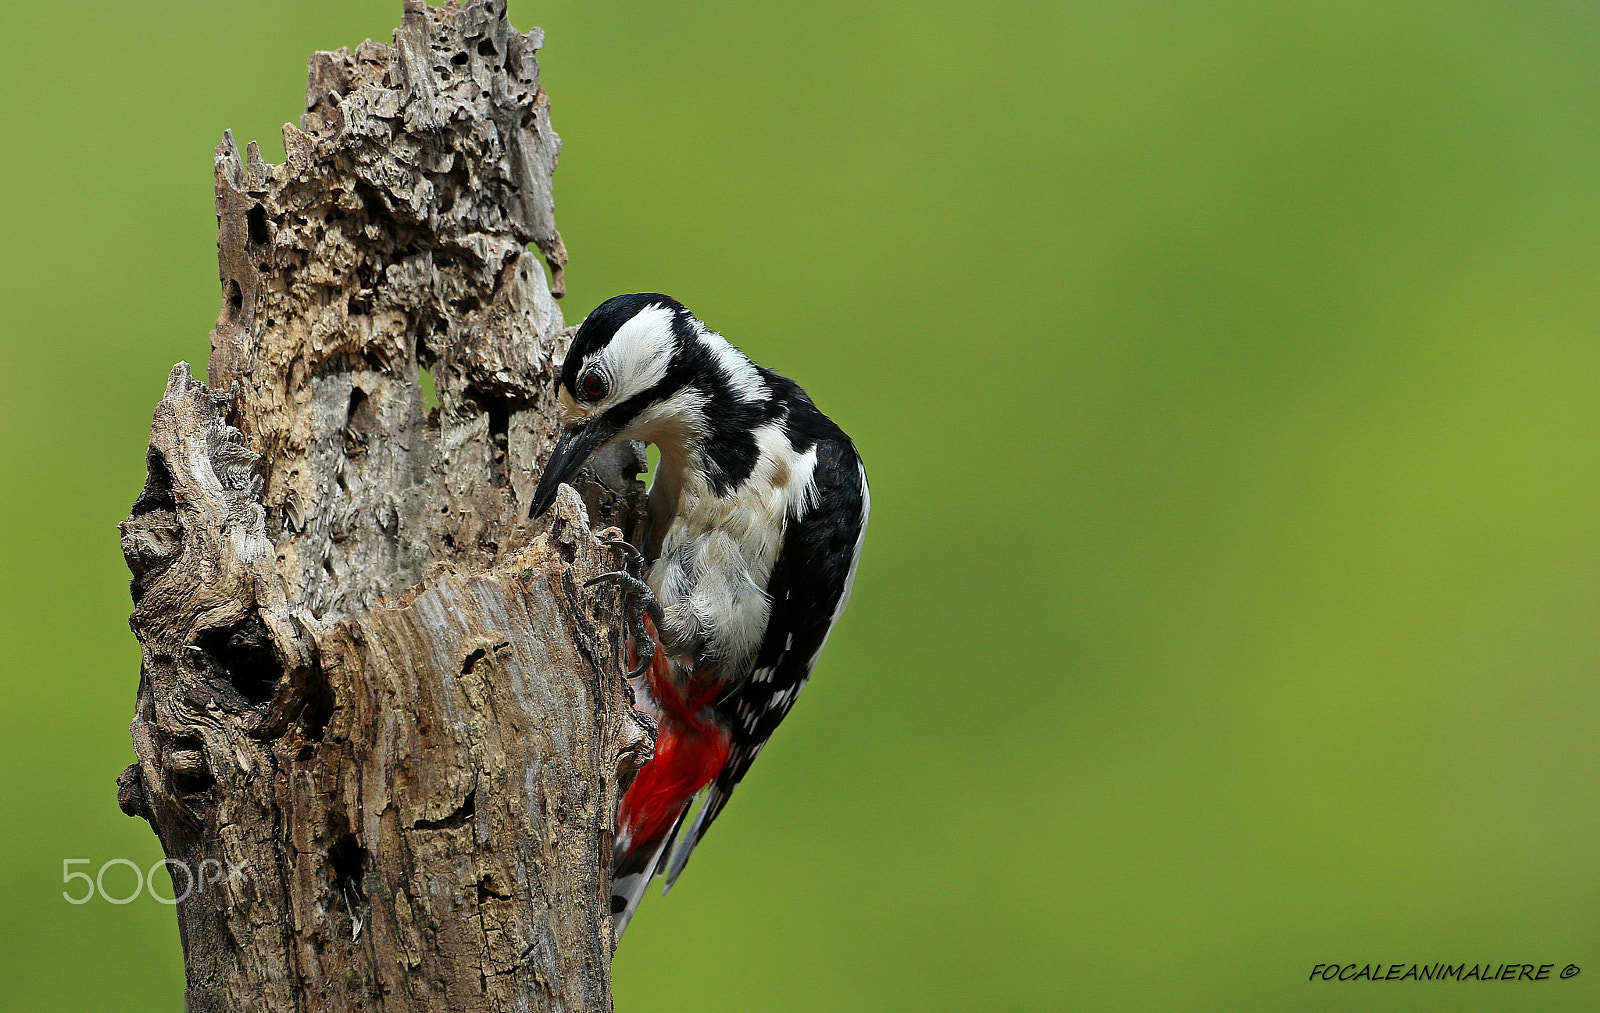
x=808, y=589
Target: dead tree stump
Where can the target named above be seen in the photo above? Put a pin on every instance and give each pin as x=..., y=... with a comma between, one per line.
x=380, y=726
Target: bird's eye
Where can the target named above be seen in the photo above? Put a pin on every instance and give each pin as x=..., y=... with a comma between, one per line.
x=593, y=386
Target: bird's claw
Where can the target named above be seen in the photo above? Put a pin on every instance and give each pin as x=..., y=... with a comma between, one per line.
x=638, y=601
x=632, y=558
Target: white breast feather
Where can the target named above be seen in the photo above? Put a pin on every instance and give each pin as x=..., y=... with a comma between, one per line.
x=717, y=555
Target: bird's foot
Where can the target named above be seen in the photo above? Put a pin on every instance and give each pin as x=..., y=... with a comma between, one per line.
x=638, y=601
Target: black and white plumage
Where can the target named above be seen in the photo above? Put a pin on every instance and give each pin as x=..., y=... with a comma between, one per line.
x=754, y=527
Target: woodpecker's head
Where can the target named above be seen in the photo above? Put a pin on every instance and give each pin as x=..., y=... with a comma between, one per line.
x=641, y=367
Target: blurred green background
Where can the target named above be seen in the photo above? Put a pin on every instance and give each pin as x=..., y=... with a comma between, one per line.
x=1226, y=373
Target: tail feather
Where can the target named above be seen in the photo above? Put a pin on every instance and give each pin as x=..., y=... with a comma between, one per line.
x=629, y=882
x=712, y=802
x=654, y=807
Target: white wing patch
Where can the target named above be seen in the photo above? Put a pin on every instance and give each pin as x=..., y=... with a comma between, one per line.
x=790, y=476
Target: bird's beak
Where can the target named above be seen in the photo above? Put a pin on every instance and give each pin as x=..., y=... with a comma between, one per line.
x=577, y=444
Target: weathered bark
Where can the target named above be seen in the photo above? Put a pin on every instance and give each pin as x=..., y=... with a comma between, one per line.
x=380, y=727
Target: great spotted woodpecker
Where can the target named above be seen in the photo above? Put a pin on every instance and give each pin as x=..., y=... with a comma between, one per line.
x=754, y=525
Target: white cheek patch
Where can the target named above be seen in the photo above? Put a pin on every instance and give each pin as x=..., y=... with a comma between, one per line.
x=743, y=378
x=637, y=356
